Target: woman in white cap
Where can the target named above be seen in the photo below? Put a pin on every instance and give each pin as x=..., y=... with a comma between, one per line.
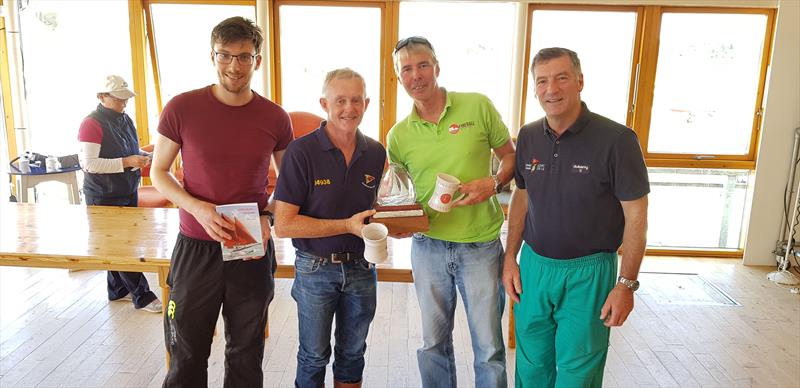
x=111, y=159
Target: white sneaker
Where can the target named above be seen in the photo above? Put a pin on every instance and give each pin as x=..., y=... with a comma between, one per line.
x=126, y=298
x=154, y=307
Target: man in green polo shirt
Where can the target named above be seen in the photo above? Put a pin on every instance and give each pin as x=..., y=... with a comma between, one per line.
x=454, y=133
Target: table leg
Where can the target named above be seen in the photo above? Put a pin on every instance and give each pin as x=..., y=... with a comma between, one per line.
x=22, y=189
x=163, y=273
x=75, y=197
x=512, y=338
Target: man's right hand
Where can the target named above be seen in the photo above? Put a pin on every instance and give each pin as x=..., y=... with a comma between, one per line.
x=511, y=279
x=356, y=222
x=212, y=222
x=135, y=161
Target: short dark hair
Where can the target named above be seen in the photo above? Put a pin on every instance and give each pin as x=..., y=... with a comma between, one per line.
x=236, y=29
x=549, y=53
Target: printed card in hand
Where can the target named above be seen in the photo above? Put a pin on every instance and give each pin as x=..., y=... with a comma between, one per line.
x=245, y=238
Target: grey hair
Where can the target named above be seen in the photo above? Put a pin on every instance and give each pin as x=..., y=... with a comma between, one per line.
x=549, y=53
x=342, y=73
x=413, y=48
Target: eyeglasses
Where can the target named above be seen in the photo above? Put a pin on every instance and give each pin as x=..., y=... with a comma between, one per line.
x=411, y=39
x=226, y=59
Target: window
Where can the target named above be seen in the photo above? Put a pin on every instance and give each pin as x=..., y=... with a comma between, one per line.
x=67, y=48
x=474, y=46
x=707, y=83
x=310, y=47
x=604, y=42
x=696, y=208
x=183, y=44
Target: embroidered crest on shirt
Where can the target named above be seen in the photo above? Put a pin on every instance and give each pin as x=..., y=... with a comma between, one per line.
x=534, y=165
x=456, y=128
x=369, y=181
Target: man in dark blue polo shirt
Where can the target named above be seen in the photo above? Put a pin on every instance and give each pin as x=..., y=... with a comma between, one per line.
x=326, y=189
x=581, y=192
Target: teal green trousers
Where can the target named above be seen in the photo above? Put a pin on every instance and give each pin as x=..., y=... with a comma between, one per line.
x=561, y=341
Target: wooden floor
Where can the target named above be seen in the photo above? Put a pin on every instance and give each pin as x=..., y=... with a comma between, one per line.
x=58, y=330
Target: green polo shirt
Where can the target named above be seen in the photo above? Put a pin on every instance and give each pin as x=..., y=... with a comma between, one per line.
x=459, y=145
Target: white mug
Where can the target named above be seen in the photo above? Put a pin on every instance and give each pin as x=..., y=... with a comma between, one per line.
x=51, y=164
x=376, y=250
x=444, y=193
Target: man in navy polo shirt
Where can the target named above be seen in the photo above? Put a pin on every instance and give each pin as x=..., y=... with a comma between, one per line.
x=326, y=189
x=581, y=192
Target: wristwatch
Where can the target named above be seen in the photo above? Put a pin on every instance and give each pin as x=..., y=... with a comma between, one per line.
x=632, y=284
x=270, y=216
x=498, y=186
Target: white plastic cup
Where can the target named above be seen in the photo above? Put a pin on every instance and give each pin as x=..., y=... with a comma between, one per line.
x=51, y=164
x=376, y=250
x=444, y=193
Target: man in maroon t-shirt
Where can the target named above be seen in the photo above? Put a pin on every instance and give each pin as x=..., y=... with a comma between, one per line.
x=226, y=134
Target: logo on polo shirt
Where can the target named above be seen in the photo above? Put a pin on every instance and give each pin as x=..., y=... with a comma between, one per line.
x=534, y=165
x=455, y=128
x=322, y=182
x=580, y=168
x=369, y=181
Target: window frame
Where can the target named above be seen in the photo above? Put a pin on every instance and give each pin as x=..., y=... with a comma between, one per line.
x=643, y=109
x=639, y=11
x=276, y=57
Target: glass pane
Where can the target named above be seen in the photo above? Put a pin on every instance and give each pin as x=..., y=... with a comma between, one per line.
x=306, y=55
x=68, y=46
x=474, y=51
x=604, y=44
x=696, y=208
x=184, y=54
x=706, y=83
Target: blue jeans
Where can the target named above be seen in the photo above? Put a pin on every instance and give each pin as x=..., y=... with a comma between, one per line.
x=322, y=290
x=475, y=269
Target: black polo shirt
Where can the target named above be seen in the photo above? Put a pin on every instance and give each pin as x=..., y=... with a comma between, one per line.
x=575, y=183
x=314, y=177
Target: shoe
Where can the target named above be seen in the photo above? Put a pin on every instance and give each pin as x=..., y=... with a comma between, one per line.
x=126, y=298
x=154, y=307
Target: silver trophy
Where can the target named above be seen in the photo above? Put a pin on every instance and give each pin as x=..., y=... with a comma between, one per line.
x=397, y=188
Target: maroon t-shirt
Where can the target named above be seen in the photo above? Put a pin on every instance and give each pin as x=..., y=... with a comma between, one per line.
x=226, y=150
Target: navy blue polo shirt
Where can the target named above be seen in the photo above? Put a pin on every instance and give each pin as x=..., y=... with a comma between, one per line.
x=575, y=183
x=315, y=178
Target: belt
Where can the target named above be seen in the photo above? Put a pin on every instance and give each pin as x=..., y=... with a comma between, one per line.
x=341, y=257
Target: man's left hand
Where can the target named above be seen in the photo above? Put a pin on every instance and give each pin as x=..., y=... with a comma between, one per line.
x=476, y=191
x=265, y=234
x=618, y=306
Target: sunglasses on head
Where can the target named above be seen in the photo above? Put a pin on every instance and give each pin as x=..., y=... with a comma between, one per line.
x=412, y=39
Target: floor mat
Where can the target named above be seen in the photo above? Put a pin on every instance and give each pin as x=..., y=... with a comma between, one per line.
x=683, y=289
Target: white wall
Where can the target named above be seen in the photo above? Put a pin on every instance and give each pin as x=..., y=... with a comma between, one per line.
x=781, y=117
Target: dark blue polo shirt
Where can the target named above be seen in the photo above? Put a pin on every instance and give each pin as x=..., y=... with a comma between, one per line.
x=314, y=177
x=575, y=183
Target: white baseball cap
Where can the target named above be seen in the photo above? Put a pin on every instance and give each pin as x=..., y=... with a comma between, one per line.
x=116, y=87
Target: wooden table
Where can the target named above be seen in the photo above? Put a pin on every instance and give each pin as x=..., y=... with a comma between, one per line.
x=126, y=239
x=94, y=237
x=67, y=176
